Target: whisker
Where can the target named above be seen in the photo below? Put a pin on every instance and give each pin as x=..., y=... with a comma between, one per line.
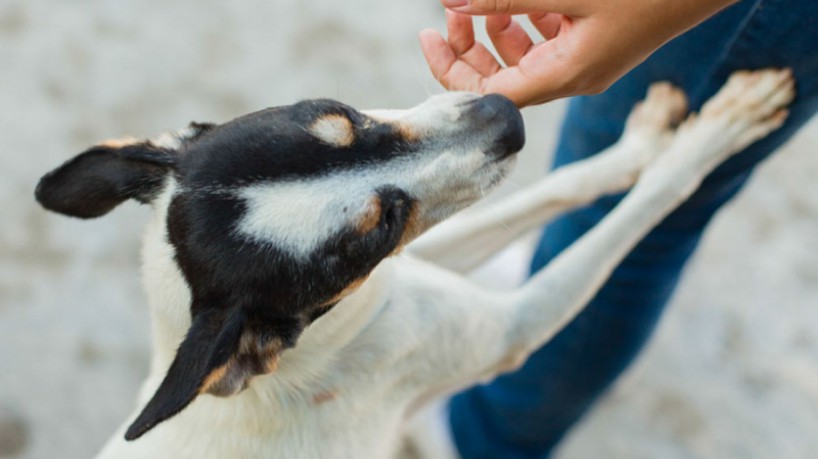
x=422, y=81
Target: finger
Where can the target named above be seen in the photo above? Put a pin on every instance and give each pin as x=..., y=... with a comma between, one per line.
x=461, y=40
x=481, y=60
x=489, y=7
x=460, y=31
x=548, y=24
x=508, y=37
x=452, y=73
x=439, y=55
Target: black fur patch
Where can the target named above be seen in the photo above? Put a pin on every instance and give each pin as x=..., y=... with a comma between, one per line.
x=96, y=181
x=275, y=144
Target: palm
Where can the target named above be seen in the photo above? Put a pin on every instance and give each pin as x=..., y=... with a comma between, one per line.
x=462, y=63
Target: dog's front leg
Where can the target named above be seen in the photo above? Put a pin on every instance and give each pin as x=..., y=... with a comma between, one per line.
x=468, y=239
x=747, y=108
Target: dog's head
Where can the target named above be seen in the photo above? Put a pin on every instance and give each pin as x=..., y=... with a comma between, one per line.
x=277, y=215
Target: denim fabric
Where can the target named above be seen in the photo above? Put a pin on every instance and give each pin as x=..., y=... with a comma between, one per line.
x=525, y=414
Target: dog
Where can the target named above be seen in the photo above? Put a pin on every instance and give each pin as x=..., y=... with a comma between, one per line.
x=292, y=318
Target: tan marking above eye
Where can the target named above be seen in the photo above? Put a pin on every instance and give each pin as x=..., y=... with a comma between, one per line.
x=119, y=143
x=335, y=130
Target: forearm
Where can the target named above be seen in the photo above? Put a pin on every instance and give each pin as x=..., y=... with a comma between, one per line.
x=606, y=44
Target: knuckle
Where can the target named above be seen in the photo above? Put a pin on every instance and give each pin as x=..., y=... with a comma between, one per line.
x=500, y=6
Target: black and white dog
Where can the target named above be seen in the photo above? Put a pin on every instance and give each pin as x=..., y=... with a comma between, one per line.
x=277, y=281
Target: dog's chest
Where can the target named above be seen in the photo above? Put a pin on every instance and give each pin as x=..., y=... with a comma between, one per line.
x=346, y=407
x=321, y=424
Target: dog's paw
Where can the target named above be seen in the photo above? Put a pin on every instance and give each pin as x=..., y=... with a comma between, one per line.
x=656, y=117
x=750, y=105
x=651, y=126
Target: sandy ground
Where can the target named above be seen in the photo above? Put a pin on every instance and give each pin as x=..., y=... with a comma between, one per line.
x=731, y=373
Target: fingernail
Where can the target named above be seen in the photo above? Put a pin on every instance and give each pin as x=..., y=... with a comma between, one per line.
x=454, y=3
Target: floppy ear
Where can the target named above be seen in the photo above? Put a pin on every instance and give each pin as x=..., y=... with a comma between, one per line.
x=222, y=351
x=96, y=181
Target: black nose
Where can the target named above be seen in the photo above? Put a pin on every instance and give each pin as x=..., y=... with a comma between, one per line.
x=493, y=110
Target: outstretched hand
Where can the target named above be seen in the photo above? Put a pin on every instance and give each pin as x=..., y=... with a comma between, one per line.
x=589, y=44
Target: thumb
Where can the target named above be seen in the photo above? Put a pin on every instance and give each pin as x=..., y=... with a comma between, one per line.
x=488, y=7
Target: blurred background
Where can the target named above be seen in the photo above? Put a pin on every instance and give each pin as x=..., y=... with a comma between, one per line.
x=732, y=371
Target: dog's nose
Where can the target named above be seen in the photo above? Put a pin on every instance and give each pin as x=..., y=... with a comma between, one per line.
x=494, y=109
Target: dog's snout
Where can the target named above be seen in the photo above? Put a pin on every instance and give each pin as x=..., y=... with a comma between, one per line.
x=496, y=109
x=489, y=107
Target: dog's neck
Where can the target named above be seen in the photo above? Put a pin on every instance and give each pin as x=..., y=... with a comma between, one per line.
x=169, y=300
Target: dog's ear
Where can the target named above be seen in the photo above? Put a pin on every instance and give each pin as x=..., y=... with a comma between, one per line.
x=102, y=177
x=222, y=351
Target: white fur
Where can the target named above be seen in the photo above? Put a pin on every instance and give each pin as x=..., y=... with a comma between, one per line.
x=298, y=215
x=414, y=330
x=173, y=140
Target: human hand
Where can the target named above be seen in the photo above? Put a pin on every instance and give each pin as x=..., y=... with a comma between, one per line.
x=589, y=44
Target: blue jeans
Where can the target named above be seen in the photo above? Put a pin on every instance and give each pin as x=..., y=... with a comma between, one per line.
x=524, y=414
